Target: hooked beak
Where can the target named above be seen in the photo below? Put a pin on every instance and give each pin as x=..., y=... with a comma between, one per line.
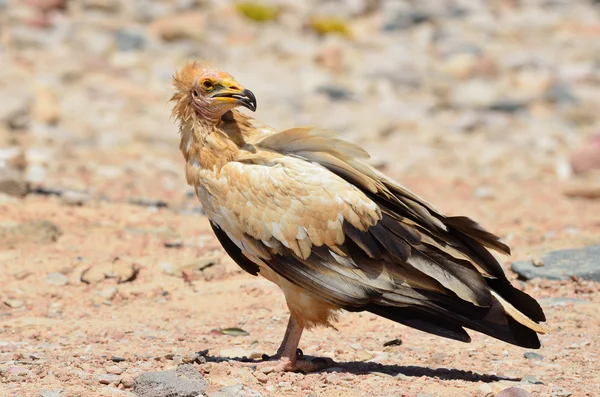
x=244, y=98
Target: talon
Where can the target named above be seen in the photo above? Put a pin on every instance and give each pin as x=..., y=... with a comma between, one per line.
x=299, y=353
x=265, y=357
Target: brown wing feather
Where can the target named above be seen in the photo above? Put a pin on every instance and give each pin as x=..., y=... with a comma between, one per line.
x=451, y=245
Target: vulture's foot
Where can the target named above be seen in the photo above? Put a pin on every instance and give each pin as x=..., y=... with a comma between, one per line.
x=300, y=363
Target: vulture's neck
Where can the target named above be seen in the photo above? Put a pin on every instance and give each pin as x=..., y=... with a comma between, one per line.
x=206, y=145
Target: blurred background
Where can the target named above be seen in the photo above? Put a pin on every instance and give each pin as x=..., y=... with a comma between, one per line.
x=438, y=89
x=486, y=108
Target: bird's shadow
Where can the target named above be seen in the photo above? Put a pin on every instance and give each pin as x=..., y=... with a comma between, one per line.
x=399, y=371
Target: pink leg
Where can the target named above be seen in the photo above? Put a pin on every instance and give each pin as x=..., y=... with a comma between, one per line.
x=287, y=357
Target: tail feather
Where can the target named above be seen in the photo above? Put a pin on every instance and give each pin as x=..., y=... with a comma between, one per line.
x=449, y=325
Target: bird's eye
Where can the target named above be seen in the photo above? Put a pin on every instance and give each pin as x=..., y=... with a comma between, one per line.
x=207, y=84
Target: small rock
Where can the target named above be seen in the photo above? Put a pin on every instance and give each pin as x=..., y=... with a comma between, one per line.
x=127, y=381
x=507, y=105
x=114, y=369
x=561, y=393
x=405, y=19
x=173, y=244
x=117, y=359
x=108, y=293
x=379, y=356
x=531, y=379
x=36, y=232
x=15, y=113
x=109, y=6
x=533, y=356
x=57, y=279
x=122, y=269
x=460, y=65
x=182, y=26
x=438, y=358
x=12, y=182
x=72, y=197
x=148, y=202
x=583, y=190
x=50, y=393
x=14, y=303
x=108, y=379
x=127, y=39
x=583, y=263
x=513, y=392
x=261, y=377
x=586, y=158
x=393, y=342
x=485, y=389
x=335, y=93
x=485, y=193
x=236, y=390
x=184, y=381
x=475, y=93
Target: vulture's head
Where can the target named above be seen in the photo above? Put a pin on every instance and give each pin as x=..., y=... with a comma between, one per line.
x=207, y=92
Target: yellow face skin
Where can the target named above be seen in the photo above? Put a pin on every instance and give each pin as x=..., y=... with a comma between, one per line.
x=210, y=92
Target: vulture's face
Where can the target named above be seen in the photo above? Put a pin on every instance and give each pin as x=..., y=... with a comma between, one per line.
x=211, y=93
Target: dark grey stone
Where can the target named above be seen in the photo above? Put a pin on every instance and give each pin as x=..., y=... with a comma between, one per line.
x=562, y=265
x=185, y=381
x=336, y=93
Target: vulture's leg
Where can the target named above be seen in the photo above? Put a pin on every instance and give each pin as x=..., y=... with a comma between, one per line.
x=290, y=358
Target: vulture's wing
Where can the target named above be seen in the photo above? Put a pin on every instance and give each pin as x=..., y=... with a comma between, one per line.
x=304, y=206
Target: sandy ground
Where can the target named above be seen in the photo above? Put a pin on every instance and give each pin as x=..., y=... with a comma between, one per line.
x=484, y=108
x=64, y=336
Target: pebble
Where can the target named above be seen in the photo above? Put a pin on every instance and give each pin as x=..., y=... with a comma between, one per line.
x=108, y=293
x=57, y=279
x=485, y=193
x=114, y=369
x=127, y=381
x=235, y=391
x=148, y=202
x=50, y=393
x=12, y=182
x=184, y=381
x=533, y=356
x=176, y=27
x=75, y=198
x=485, y=389
x=14, y=303
x=117, y=359
x=587, y=158
x=261, y=377
x=531, y=379
x=393, y=342
x=108, y=379
x=561, y=393
x=128, y=39
x=513, y=392
x=379, y=356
